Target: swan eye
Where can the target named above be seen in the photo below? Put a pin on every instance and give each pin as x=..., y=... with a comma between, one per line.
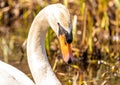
x=68, y=36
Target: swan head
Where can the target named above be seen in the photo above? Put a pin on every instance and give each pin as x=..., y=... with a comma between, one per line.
x=60, y=21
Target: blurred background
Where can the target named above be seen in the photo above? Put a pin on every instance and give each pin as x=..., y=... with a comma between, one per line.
x=95, y=46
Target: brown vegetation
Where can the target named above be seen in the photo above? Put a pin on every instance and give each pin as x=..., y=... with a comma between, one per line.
x=96, y=39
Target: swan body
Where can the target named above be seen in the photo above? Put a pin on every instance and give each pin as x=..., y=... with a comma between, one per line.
x=58, y=17
x=9, y=75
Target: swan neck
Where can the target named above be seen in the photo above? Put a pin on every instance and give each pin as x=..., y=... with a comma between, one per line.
x=37, y=59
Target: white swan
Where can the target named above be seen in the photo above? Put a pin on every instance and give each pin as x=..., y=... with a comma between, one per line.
x=58, y=17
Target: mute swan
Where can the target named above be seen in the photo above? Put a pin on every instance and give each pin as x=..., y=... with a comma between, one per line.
x=58, y=17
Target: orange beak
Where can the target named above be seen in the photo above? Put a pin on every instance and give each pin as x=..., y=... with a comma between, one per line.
x=65, y=49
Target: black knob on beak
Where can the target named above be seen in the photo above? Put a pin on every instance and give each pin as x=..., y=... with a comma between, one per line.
x=69, y=38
